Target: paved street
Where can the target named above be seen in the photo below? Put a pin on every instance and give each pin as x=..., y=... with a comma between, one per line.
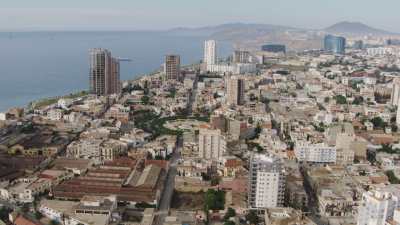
x=166, y=196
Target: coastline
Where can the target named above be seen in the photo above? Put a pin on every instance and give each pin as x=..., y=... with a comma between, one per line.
x=58, y=62
x=41, y=102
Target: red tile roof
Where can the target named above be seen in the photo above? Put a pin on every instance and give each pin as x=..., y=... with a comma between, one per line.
x=160, y=163
x=233, y=163
x=21, y=220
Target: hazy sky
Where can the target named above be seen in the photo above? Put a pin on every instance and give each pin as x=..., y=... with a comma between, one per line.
x=163, y=14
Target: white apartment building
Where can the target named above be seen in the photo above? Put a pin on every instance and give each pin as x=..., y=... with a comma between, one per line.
x=90, y=210
x=396, y=216
x=55, y=114
x=395, y=96
x=376, y=208
x=315, y=153
x=97, y=150
x=266, y=182
x=64, y=103
x=212, y=144
x=24, y=190
x=238, y=68
x=382, y=51
x=210, y=52
x=398, y=114
x=3, y=116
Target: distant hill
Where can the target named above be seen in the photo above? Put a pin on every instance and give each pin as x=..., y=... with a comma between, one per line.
x=239, y=31
x=355, y=28
x=252, y=36
x=231, y=30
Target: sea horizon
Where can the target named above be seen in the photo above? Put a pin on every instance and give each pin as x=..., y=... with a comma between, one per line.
x=55, y=63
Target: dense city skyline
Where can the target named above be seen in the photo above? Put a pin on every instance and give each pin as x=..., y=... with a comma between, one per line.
x=247, y=123
x=127, y=15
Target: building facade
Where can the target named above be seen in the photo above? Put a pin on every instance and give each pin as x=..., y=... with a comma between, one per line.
x=235, y=68
x=275, y=48
x=241, y=56
x=172, y=67
x=210, y=52
x=266, y=188
x=315, y=153
x=395, y=96
x=376, y=208
x=235, y=91
x=334, y=44
x=104, y=75
x=212, y=144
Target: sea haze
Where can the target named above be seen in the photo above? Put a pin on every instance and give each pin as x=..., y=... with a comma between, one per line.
x=35, y=65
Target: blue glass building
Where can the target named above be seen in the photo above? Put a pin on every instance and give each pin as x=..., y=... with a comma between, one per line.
x=274, y=48
x=334, y=44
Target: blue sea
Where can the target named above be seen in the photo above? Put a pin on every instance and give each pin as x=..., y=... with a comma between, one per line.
x=36, y=65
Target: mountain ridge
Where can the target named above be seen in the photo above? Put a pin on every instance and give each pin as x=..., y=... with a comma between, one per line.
x=344, y=28
x=357, y=28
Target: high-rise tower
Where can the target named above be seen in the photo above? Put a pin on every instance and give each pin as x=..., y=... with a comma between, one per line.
x=172, y=67
x=210, y=52
x=104, y=74
x=335, y=44
x=235, y=91
x=266, y=182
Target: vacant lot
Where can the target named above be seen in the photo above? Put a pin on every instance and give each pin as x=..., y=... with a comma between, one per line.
x=188, y=201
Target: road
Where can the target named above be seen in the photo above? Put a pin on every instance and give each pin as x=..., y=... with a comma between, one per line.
x=166, y=196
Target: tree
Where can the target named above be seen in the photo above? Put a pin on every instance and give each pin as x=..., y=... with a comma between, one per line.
x=354, y=85
x=38, y=215
x=250, y=120
x=340, y=99
x=54, y=222
x=144, y=205
x=371, y=157
x=389, y=149
x=215, y=181
x=214, y=200
x=266, y=101
x=4, y=213
x=392, y=177
x=137, y=87
x=252, y=217
x=394, y=128
x=257, y=132
x=290, y=145
x=326, y=99
x=358, y=100
x=320, y=127
x=172, y=93
x=230, y=213
x=253, y=97
x=25, y=208
x=145, y=100
x=275, y=124
x=228, y=222
x=378, y=122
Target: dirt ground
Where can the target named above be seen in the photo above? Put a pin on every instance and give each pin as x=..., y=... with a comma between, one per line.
x=187, y=201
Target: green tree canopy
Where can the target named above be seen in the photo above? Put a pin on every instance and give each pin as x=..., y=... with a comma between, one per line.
x=378, y=122
x=214, y=199
x=340, y=99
